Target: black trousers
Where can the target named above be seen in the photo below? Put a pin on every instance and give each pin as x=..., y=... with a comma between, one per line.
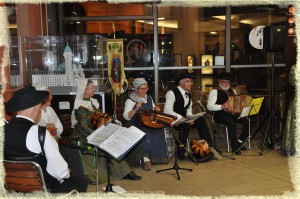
x=203, y=130
x=184, y=130
x=73, y=182
x=230, y=121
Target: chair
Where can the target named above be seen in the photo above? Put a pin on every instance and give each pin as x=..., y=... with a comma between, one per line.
x=66, y=136
x=67, y=125
x=24, y=176
x=199, y=107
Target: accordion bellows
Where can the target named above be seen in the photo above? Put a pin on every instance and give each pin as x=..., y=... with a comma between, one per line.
x=237, y=102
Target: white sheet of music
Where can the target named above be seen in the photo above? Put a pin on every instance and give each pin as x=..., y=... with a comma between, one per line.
x=101, y=134
x=114, y=139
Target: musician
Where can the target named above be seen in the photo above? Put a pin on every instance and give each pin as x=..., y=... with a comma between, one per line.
x=153, y=145
x=85, y=107
x=179, y=103
x=218, y=104
x=50, y=120
x=22, y=142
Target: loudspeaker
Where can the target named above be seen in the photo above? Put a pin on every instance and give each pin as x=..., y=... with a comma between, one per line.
x=274, y=38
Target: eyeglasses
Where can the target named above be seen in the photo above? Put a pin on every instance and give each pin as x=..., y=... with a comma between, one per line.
x=143, y=89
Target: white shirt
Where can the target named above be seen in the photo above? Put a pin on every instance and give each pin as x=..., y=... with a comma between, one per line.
x=129, y=104
x=170, y=100
x=211, y=101
x=50, y=117
x=57, y=167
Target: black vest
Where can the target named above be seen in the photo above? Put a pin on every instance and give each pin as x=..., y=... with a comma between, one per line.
x=222, y=96
x=15, y=146
x=178, y=106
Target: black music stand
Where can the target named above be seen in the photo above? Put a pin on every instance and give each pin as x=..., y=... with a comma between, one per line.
x=108, y=163
x=176, y=166
x=249, y=110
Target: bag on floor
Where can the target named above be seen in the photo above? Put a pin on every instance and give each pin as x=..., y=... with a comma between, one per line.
x=200, y=150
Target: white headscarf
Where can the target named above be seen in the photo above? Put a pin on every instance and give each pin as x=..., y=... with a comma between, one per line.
x=81, y=86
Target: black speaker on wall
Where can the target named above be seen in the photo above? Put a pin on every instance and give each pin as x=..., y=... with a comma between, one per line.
x=274, y=38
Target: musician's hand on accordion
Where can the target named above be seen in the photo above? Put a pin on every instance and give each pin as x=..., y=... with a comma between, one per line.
x=225, y=106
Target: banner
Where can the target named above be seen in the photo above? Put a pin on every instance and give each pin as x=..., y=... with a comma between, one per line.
x=115, y=61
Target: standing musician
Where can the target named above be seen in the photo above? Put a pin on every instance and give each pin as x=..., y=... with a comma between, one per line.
x=179, y=104
x=218, y=103
x=153, y=145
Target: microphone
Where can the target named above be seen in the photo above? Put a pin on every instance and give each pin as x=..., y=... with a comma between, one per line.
x=81, y=148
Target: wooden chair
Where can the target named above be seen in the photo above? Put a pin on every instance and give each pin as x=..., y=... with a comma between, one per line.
x=24, y=176
x=67, y=125
x=66, y=136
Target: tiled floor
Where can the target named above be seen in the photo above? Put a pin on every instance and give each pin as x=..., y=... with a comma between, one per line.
x=249, y=174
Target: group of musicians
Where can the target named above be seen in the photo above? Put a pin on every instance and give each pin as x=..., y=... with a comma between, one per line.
x=28, y=103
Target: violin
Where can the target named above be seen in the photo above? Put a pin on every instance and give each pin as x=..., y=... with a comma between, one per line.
x=98, y=119
x=155, y=119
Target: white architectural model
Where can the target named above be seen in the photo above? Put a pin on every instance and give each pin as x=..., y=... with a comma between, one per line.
x=72, y=72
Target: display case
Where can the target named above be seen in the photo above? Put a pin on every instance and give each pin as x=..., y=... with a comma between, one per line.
x=60, y=60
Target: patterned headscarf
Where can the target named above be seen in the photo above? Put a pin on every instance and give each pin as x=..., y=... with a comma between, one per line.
x=138, y=82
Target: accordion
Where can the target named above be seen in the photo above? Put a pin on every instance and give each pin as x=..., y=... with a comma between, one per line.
x=237, y=103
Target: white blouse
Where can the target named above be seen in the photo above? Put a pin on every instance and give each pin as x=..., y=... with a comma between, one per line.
x=50, y=117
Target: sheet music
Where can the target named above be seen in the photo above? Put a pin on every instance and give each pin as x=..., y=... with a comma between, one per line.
x=191, y=119
x=101, y=134
x=114, y=139
x=245, y=112
x=253, y=108
x=122, y=141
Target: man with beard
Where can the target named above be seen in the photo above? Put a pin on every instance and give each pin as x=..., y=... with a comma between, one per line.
x=218, y=104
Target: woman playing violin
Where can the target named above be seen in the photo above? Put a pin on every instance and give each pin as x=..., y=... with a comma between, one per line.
x=153, y=145
x=85, y=107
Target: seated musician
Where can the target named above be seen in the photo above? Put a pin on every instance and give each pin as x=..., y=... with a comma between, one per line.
x=153, y=145
x=179, y=103
x=50, y=120
x=22, y=142
x=85, y=107
x=218, y=104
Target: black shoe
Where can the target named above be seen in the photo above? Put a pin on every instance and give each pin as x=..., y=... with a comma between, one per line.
x=238, y=152
x=242, y=147
x=132, y=176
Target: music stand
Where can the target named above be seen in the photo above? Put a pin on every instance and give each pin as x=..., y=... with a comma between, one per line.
x=108, y=163
x=250, y=110
x=176, y=166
